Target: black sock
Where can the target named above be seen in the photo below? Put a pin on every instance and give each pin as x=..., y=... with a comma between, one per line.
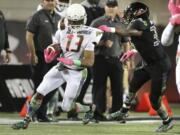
x=124, y=110
x=168, y=120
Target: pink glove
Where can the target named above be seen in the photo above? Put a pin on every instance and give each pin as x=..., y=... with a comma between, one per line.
x=128, y=55
x=107, y=29
x=175, y=19
x=174, y=7
x=66, y=61
x=50, y=54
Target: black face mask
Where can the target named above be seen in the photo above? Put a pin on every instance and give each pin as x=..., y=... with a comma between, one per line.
x=96, y=2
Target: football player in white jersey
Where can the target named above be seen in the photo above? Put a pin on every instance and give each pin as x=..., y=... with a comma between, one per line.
x=171, y=29
x=75, y=46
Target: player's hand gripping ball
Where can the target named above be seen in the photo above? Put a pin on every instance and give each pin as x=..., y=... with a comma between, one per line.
x=49, y=54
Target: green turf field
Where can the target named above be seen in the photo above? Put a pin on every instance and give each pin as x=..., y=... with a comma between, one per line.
x=91, y=129
x=132, y=127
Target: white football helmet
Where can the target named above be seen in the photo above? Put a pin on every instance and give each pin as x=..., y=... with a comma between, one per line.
x=76, y=16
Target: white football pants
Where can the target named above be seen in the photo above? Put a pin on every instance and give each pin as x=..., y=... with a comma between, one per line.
x=55, y=77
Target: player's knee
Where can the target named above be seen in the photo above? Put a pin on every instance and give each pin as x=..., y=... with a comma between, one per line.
x=66, y=107
x=67, y=104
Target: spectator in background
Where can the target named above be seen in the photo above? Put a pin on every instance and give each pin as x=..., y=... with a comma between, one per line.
x=128, y=67
x=39, y=34
x=107, y=62
x=94, y=9
x=171, y=29
x=61, y=6
x=4, y=43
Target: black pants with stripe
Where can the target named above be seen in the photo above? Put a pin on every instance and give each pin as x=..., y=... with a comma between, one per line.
x=102, y=69
x=158, y=73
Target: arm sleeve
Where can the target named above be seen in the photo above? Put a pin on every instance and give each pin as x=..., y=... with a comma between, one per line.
x=168, y=35
x=124, y=39
x=33, y=23
x=96, y=36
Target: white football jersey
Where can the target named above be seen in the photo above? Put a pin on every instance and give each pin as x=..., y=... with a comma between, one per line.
x=73, y=45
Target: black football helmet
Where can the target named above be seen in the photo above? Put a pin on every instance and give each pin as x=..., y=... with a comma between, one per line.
x=136, y=10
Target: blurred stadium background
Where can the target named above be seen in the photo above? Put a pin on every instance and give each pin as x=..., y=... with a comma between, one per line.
x=15, y=78
x=20, y=10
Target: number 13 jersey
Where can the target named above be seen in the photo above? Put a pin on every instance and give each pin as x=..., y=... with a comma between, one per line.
x=73, y=44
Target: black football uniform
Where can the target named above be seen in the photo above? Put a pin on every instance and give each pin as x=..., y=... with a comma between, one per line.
x=157, y=63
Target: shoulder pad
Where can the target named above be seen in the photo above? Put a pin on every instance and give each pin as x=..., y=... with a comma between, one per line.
x=140, y=20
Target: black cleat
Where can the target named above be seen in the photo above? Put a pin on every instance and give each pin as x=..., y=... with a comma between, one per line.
x=119, y=116
x=87, y=117
x=21, y=125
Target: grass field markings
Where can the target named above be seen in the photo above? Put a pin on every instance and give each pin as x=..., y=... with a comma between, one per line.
x=8, y=121
x=90, y=129
x=11, y=121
